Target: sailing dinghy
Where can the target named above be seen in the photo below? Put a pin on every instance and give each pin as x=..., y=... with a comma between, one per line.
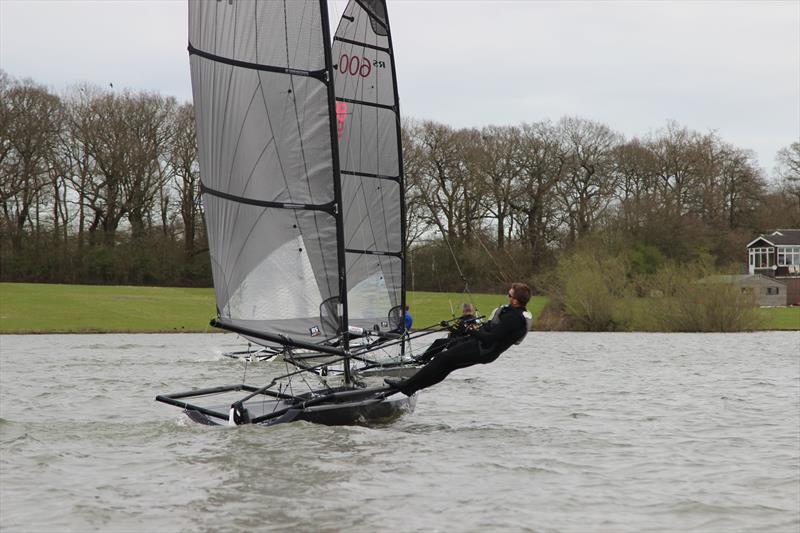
x=300, y=157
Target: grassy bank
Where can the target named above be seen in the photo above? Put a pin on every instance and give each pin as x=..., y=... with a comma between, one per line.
x=45, y=308
x=787, y=318
x=42, y=308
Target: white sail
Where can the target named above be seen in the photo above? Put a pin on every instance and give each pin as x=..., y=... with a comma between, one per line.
x=266, y=148
x=370, y=158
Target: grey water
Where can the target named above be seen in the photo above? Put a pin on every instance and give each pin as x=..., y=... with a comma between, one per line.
x=566, y=432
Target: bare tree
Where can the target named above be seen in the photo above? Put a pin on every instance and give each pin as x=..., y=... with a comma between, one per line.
x=788, y=172
x=417, y=216
x=541, y=161
x=448, y=188
x=499, y=170
x=186, y=171
x=30, y=131
x=589, y=182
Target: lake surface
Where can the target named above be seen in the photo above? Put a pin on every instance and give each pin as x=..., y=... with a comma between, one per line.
x=567, y=432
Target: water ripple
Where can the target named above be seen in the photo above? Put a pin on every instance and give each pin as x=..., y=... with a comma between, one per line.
x=568, y=432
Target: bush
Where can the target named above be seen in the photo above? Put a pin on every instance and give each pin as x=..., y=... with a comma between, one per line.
x=589, y=285
x=695, y=301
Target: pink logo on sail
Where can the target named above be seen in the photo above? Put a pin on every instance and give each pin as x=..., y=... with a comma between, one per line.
x=341, y=117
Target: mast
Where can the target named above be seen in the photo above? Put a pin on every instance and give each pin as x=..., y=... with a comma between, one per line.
x=337, y=187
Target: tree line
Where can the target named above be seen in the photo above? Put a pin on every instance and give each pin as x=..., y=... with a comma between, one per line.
x=102, y=186
x=98, y=186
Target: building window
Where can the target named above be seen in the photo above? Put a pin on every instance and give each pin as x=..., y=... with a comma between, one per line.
x=773, y=290
x=788, y=255
x=761, y=257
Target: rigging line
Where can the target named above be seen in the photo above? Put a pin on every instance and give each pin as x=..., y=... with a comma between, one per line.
x=491, y=256
x=286, y=367
x=455, y=259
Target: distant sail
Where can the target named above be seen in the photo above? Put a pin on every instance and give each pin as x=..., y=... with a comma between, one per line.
x=266, y=150
x=368, y=128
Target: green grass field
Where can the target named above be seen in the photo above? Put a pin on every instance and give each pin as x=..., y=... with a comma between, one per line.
x=43, y=308
x=781, y=317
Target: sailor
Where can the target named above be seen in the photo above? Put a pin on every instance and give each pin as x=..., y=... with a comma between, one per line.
x=466, y=322
x=509, y=325
x=409, y=320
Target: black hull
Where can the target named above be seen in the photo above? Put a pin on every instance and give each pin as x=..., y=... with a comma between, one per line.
x=340, y=407
x=353, y=414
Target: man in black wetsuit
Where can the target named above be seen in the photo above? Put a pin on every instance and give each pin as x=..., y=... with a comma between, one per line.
x=508, y=326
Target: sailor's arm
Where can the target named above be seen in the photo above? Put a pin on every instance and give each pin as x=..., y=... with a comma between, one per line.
x=509, y=323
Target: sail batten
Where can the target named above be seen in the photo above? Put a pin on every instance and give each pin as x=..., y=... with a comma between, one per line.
x=320, y=74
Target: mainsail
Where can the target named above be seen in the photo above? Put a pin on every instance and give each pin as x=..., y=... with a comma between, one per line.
x=368, y=129
x=266, y=138
x=288, y=233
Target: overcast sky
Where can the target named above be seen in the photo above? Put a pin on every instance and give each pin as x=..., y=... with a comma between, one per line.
x=731, y=67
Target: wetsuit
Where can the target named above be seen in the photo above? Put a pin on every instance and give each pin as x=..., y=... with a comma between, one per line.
x=463, y=325
x=481, y=346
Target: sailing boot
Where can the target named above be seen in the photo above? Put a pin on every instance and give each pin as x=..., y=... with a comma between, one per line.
x=394, y=383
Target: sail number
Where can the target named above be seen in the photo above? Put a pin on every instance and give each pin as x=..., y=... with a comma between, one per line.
x=358, y=65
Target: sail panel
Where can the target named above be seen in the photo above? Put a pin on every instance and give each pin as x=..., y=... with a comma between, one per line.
x=364, y=73
x=372, y=223
x=369, y=142
x=370, y=161
x=267, y=269
x=280, y=34
x=266, y=162
x=268, y=133
x=364, y=21
x=371, y=295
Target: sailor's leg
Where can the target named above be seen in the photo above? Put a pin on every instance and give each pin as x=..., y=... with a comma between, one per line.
x=461, y=355
x=437, y=346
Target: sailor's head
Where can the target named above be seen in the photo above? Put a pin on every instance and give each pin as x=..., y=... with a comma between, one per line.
x=519, y=294
x=467, y=309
